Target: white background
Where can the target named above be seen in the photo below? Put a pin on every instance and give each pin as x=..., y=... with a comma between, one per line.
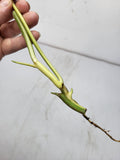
x=81, y=38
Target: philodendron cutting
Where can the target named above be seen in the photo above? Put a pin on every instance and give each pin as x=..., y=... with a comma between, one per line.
x=65, y=95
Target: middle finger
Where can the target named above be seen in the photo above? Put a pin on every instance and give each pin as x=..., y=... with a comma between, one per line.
x=11, y=29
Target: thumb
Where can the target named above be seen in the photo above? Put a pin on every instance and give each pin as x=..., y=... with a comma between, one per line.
x=5, y=10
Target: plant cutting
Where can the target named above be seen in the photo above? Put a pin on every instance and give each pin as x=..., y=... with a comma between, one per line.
x=65, y=95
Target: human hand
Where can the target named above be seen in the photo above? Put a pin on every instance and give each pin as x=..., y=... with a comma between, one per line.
x=9, y=40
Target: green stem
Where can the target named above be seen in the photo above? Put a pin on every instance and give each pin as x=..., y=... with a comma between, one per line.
x=37, y=64
x=66, y=96
x=36, y=44
x=71, y=103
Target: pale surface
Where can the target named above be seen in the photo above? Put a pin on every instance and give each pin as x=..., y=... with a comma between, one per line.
x=35, y=125
x=89, y=27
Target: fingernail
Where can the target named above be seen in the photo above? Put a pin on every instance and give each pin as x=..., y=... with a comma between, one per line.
x=5, y=3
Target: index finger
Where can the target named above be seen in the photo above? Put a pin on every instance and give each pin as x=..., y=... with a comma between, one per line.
x=5, y=10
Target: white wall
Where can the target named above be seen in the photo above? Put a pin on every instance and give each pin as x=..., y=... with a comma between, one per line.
x=89, y=27
x=83, y=38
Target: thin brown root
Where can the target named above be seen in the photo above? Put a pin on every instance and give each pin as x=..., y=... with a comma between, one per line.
x=97, y=126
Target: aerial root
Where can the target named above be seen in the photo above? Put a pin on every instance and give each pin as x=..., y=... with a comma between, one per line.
x=103, y=130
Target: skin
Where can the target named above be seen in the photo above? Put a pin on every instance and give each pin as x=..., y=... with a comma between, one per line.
x=9, y=31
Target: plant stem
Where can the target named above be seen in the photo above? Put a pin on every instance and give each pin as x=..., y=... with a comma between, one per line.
x=37, y=64
x=36, y=44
